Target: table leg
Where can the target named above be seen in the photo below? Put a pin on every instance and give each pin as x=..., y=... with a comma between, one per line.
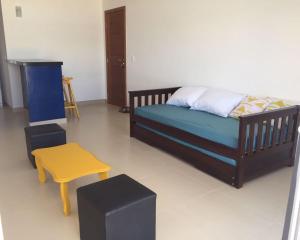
x=65, y=198
x=103, y=175
x=41, y=171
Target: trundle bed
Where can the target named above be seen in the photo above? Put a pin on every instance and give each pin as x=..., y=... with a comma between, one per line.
x=232, y=150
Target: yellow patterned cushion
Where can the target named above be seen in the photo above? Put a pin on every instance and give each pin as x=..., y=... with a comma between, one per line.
x=278, y=103
x=251, y=105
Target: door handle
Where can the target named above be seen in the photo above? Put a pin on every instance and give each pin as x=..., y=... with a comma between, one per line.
x=123, y=64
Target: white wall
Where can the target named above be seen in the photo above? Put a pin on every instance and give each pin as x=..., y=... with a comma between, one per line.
x=250, y=46
x=15, y=97
x=71, y=31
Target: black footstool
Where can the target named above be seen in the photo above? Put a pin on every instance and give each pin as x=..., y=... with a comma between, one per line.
x=42, y=136
x=116, y=209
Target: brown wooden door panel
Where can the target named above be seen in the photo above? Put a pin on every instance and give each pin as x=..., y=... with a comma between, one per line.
x=116, y=56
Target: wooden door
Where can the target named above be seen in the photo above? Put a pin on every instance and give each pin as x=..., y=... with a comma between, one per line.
x=115, y=32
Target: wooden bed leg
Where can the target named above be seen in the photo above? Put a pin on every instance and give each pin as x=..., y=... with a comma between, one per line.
x=238, y=181
x=291, y=162
x=131, y=111
x=240, y=172
x=131, y=129
x=239, y=184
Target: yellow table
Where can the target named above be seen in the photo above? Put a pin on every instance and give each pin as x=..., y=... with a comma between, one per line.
x=66, y=163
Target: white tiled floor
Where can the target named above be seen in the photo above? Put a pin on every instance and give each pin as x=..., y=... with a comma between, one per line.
x=191, y=205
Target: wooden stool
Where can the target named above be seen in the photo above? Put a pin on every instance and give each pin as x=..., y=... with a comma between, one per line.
x=66, y=163
x=70, y=102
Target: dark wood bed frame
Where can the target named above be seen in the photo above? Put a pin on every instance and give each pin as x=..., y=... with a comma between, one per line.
x=251, y=162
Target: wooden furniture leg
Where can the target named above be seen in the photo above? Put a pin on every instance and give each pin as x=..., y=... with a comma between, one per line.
x=70, y=97
x=73, y=100
x=65, y=198
x=41, y=171
x=103, y=175
x=66, y=96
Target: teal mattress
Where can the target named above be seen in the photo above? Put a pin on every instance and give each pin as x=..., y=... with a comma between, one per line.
x=217, y=129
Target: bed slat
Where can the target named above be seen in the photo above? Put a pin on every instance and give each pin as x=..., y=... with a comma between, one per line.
x=153, y=99
x=275, y=132
x=146, y=100
x=259, y=136
x=159, y=99
x=268, y=134
x=251, y=139
x=283, y=130
x=139, y=101
x=290, y=128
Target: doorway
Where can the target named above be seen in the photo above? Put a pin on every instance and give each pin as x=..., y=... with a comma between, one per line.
x=115, y=35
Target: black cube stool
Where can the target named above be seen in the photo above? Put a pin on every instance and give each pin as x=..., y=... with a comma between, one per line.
x=116, y=209
x=43, y=136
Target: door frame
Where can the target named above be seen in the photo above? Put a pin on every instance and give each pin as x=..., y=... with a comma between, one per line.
x=107, y=45
x=3, y=63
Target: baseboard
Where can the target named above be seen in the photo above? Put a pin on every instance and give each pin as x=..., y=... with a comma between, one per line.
x=90, y=102
x=58, y=121
x=19, y=109
x=80, y=103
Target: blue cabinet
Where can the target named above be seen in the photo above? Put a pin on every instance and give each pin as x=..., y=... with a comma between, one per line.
x=42, y=90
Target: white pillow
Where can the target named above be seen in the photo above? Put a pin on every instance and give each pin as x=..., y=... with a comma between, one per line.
x=186, y=96
x=218, y=101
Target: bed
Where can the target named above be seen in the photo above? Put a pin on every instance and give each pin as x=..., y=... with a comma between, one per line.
x=232, y=150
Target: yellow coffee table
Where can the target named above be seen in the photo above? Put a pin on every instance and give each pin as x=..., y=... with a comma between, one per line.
x=66, y=163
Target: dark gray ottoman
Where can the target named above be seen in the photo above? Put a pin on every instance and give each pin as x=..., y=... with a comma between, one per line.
x=116, y=209
x=43, y=136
